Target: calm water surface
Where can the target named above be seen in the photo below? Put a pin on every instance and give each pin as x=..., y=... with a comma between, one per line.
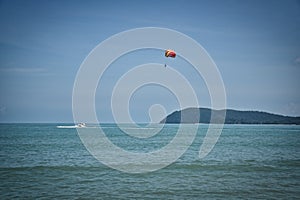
x=249, y=161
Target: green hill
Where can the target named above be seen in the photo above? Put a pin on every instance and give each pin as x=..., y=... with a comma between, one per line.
x=191, y=115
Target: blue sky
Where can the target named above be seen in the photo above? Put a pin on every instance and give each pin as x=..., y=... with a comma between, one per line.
x=255, y=44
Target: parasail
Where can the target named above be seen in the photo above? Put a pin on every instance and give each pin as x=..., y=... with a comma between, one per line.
x=170, y=53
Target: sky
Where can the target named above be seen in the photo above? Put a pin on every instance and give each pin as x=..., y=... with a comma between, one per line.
x=255, y=45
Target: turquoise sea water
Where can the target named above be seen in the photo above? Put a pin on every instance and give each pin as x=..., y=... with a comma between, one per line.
x=248, y=162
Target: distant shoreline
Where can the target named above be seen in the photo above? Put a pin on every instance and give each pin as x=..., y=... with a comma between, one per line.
x=203, y=116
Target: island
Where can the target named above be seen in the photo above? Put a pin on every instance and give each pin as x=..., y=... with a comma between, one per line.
x=203, y=115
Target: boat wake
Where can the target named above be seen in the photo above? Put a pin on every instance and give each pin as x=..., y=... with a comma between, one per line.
x=67, y=126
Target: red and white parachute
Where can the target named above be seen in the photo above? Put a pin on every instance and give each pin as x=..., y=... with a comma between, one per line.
x=170, y=53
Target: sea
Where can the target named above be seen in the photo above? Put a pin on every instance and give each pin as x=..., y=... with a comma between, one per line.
x=49, y=161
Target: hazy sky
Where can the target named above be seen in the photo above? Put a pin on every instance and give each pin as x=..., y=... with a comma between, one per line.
x=255, y=44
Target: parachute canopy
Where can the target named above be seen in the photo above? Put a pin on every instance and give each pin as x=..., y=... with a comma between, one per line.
x=170, y=53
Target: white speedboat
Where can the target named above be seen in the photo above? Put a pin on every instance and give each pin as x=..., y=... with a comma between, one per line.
x=81, y=125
